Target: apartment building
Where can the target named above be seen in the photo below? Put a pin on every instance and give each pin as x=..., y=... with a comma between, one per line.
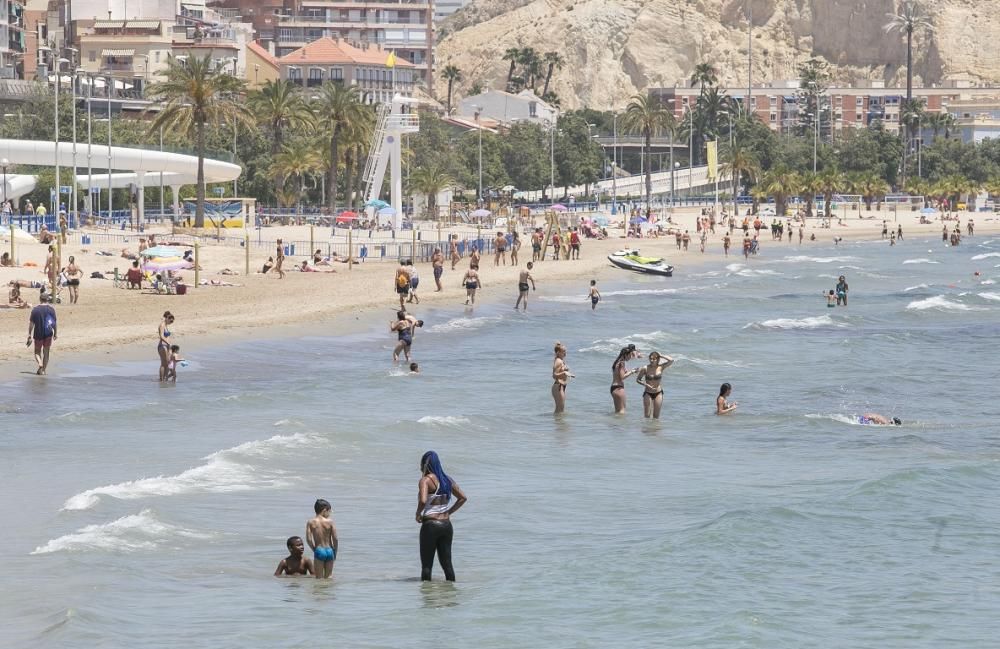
x=853, y=106
x=13, y=39
x=975, y=119
x=403, y=26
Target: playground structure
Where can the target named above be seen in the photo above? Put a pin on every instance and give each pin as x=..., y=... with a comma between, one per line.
x=387, y=151
x=126, y=167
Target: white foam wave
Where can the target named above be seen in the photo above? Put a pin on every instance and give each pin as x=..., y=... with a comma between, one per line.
x=711, y=362
x=562, y=299
x=614, y=345
x=986, y=256
x=815, y=260
x=142, y=531
x=939, y=302
x=915, y=288
x=814, y=322
x=990, y=296
x=922, y=260
x=843, y=419
x=222, y=473
x=446, y=420
x=464, y=324
x=987, y=282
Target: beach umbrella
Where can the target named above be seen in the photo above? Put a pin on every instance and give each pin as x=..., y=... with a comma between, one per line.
x=638, y=219
x=163, y=265
x=559, y=207
x=162, y=251
x=388, y=210
x=19, y=235
x=928, y=210
x=377, y=204
x=480, y=213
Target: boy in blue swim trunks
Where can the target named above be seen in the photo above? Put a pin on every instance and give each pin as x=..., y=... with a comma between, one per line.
x=595, y=295
x=321, y=535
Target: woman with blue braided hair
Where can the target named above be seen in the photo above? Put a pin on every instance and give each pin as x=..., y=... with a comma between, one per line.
x=434, y=510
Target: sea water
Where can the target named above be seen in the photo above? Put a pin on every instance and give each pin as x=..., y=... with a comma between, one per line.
x=145, y=515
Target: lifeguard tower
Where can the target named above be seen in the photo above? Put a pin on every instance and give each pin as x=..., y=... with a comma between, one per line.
x=393, y=120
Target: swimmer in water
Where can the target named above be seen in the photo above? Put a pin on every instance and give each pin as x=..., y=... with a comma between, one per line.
x=831, y=299
x=294, y=564
x=595, y=295
x=560, y=376
x=414, y=368
x=723, y=407
x=175, y=359
x=875, y=419
x=619, y=372
x=522, y=286
x=650, y=377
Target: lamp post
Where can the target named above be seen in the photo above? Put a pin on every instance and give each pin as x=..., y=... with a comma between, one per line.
x=552, y=158
x=237, y=180
x=3, y=165
x=690, y=116
x=614, y=165
x=90, y=168
x=110, y=88
x=479, y=127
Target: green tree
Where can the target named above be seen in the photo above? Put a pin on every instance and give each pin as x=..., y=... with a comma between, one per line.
x=809, y=185
x=452, y=74
x=739, y=163
x=910, y=19
x=466, y=170
x=814, y=80
x=578, y=158
x=338, y=109
x=279, y=105
x=297, y=159
x=430, y=179
x=512, y=54
x=780, y=183
x=830, y=182
x=704, y=75
x=194, y=94
x=526, y=156
x=938, y=121
x=553, y=62
x=646, y=116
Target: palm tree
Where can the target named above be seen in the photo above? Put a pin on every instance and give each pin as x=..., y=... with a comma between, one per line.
x=531, y=67
x=357, y=137
x=830, y=182
x=780, y=183
x=646, y=116
x=939, y=121
x=297, y=159
x=195, y=93
x=512, y=54
x=910, y=18
x=739, y=161
x=704, y=75
x=809, y=185
x=430, y=179
x=452, y=74
x=554, y=62
x=280, y=105
x=338, y=108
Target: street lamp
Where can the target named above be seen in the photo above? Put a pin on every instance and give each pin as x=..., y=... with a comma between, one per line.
x=614, y=165
x=815, y=134
x=3, y=165
x=479, y=127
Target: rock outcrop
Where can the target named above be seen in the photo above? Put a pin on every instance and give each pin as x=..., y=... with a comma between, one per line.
x=615, y=48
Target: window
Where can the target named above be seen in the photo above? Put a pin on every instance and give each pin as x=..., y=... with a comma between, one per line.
x=337, y=74
x=857, y=117
x=315, y=73
x=417, y=35
x=92, y=55
x=354, y=15
x=859, y=101
x=774, y=117
x=156, y=56
x=294, y=73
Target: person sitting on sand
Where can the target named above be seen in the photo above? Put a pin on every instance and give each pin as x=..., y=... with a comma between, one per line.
x=305, y=267
x=294, y=564
x=268, y=265
x=44, y=236
x=5, y=260
x=875, y=419
x=134, y=276
x=14, y=299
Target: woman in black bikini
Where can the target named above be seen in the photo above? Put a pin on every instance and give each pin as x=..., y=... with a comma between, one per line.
x=650, y=377
x=618, y=375
x=560, y=376
x=163, y=345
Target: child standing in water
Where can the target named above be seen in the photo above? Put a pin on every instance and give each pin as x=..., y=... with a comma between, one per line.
x=595, y=295
x=831, y=300
x=175, y=359
x=321, y=535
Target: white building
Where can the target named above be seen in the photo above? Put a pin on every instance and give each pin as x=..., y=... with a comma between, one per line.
x=445, y=8
x=506, y=108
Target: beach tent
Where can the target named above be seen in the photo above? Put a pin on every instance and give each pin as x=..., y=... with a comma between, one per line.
x=601, y=221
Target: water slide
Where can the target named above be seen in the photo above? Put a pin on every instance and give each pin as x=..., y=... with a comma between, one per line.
x=138, y=167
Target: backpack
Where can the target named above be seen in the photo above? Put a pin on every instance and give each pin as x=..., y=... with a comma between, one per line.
x=49, y=324
x=402, y=281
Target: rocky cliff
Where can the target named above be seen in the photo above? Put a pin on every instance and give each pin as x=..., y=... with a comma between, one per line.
x=615, y=48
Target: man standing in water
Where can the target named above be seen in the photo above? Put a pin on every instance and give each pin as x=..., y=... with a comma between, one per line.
x=437, y=261
x=42, y=330
x=522, y=286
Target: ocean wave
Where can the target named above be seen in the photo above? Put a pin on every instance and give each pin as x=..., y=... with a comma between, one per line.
x=922, y=260
x=221, y=473
x=990, y=296
x=915, y=288
x=446, y=420
x=813, y=322
x=711, y=362
x=986, y=256
x=939, y=302
x=465, y=324
x=142, y=531
x=614, y=345
x=987, y=282
x=843, y=419
x=815, y=260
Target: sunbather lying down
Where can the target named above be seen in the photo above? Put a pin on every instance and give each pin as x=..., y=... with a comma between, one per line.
x=216, y=282
x=26, y=283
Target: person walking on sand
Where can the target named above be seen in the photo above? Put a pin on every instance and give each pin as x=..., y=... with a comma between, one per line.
x=899, y=232
x=471, y=283
x=723, y=407
x=515, y=246
x=279, y=259
x=574, y=244
x=500, y=249
x=414, y=281
x=560, y=377
x=73, y=276
x=594, y=295
x=474, y=257
x=619, y=372
x=434, y=510
x=42, y=330
x=52, y=268
x=163, y=344
x=650, y=378
x=321, y=535
x=402, y=283
x=522, y=286
x=536, y=245
x=437, y=262
x=453, y=250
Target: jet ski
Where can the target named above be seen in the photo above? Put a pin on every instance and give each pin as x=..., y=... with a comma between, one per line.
x=629, y=259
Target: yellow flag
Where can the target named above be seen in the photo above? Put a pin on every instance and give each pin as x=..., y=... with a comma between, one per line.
x=390, y=61
x=713, y=158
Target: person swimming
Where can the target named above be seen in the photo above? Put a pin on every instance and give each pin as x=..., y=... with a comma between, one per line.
x=875, y=419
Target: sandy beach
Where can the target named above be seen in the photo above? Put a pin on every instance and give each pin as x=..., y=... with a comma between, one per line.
x=110, y=320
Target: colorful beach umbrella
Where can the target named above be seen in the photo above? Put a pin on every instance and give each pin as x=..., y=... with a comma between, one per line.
x=376, y=203
x=480, y=213
x=559, y=207
x=388, y=210
x=162, y=251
